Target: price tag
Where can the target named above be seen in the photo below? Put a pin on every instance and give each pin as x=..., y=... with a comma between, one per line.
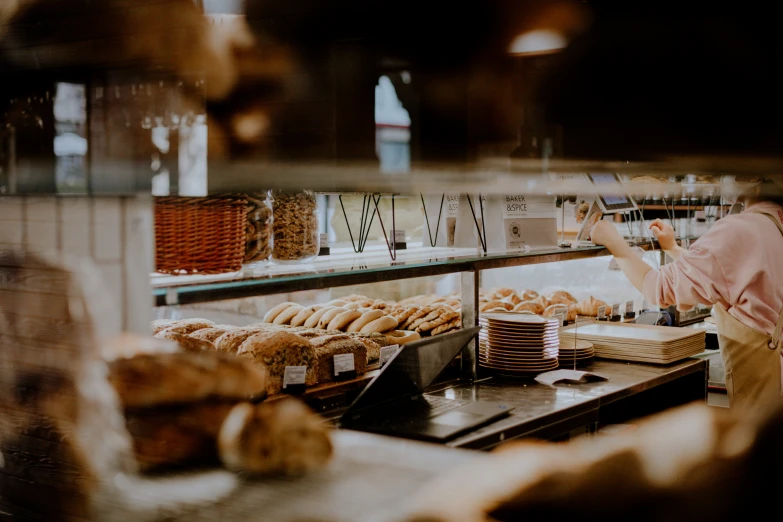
x=294, y=379
x=324, y=245
x=452, y=209
x=602, y=313
x=615, y=312
x=387, y=352
x=561, y=316
x=343, y=363
x=629, y=309
x=399, y=239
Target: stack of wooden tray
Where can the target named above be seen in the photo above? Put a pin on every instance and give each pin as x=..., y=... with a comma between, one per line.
x=518, y=344
x=639, y=342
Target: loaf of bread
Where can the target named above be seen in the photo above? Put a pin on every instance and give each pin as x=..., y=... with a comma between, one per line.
x=327, y=346
x=174, y=378
x=188, y=326
x=187, y=343
x=276, y=350
x=230, y=341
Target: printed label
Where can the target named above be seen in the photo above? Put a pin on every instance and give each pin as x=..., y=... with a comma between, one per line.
x=387, y=352
x=343, y=363
x=602, y=312
x=399, y=236
x=294, y=375
x=324, y=240
x=520, y=206
x=629, y=308
x=615, y=310
x=452, y=205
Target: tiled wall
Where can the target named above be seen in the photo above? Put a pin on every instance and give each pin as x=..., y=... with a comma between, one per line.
x=115, y=232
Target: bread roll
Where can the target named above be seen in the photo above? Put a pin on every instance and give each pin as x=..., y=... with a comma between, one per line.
x=327, y=346
x=561, y=297
x=276, y=350
x=276, y=310
x=365, y=318
x=342, y=320
x=491, y=305
x=530, y=306
x=384, y=324
x=529, y=295
x=161, y=324
x=402, y=337
x=312, y=321
x=279, y=438
x=286, y=315
x=304, y=314
x=325, y=319
x=175, y=378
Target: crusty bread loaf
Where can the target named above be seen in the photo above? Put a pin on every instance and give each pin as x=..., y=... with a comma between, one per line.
x=327, y=346
x=188, y=326
x=159, y=325
x=186, y=342
x=173, y=378
x=279, y=438
x=210, y=334
x=276, y=350
x=230, y=341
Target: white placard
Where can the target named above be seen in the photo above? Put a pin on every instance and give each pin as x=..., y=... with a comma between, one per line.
x=520, y=206
x=399, y=236
x=451, y=209
x=602, y=312
x=387, y=352
x=343, y=363
x=324, y=239
x=294, y=375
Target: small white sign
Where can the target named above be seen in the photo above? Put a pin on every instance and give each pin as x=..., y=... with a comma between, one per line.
x=561, y=316
x=294, y=375
x=387, y=352
x=343, y=363
x=629, y=308
x=520, y=206
x=452, y=205
x=324, y=239
x=615, y=310
x=399, y=236
x=602, y=312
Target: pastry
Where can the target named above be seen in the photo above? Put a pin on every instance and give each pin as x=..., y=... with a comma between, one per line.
x=402, y=336
x=555, y=309
x=514, y=299
x=327, y=346
x=529, y=306
x=186, y=342
x=543, y=301
x=491, y=305
x=325, y=319
x=209, y=334
x=341, y=321
x=280, y=438
x=402, y=314
x=438, y=321
x=589, y=307
x=365, y=318
x=230, y=341
x=354, y=305
x=337, y=302
x=300, y=318
x=433, y=314
x=561, y=297
x=187, y=326
x=503, y=292
x=454, y=324
x=415, y=316
x=529, y=295
x=276, y=350
x=276, y=310
x=286, y=315
x=313, y=320
x=384, y=324
x=174, y=378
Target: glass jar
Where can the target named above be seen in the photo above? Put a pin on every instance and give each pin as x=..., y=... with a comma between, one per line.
x=295, y=227
x=258, y=230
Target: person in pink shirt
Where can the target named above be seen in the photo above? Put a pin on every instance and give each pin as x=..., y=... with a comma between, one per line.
x=737, y=267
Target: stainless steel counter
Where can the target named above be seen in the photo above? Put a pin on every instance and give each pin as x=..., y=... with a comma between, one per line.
x=632, y=390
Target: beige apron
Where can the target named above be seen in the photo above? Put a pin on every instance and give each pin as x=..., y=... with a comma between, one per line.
x=753, y=360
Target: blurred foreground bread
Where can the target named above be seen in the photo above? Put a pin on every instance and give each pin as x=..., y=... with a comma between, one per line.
x=171, y=378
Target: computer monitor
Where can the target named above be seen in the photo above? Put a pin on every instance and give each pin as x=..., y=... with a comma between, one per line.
x=613, y=202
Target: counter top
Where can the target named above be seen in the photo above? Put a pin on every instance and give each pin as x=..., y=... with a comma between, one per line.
x=366, y=480
x=539, y=406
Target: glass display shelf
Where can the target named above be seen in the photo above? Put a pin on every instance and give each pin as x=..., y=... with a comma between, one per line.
x=344, y=267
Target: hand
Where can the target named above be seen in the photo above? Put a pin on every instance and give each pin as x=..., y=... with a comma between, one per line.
x=606, y=234
x=665, y=235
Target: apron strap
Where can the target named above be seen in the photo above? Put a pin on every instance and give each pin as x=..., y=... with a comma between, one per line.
x=779, y=326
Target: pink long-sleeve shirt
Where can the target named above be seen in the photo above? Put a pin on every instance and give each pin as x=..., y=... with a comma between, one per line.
x=738, y=263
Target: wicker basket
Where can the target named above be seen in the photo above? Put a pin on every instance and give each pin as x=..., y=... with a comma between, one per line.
x=200, y=235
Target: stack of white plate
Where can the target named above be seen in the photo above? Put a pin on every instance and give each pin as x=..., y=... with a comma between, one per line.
x=640, y=342
x=518, y=344
x=574, y=351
